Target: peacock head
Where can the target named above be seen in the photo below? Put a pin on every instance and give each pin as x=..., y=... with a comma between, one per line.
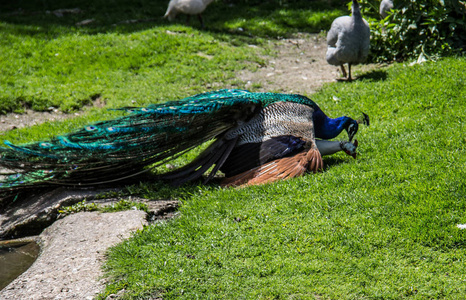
x=352, y=126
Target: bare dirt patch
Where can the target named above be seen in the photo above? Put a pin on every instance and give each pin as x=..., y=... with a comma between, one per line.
x=298, y=67
x=29, y=117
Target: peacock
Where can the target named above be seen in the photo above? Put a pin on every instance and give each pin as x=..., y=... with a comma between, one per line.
x=348, y=40
x=187, y=7
x=255, y=138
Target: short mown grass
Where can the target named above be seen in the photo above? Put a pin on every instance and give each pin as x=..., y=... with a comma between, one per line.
x=129, y=55
x=379, y=227
x=131, y=69
x=382, y=226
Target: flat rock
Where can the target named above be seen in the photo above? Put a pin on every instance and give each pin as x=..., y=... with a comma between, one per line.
x=72, y=255
x=34, y=213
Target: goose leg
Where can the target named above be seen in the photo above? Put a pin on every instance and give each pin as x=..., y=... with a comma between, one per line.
x=349, y=72
x=343, y=71
x=200, y=20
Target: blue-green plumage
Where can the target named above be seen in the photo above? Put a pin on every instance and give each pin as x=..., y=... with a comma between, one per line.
x=212, y=101
x=124, y=147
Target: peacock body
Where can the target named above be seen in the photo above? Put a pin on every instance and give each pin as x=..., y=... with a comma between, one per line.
x=251, y=131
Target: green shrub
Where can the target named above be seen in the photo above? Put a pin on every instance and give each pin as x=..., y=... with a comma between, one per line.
x=413, y=29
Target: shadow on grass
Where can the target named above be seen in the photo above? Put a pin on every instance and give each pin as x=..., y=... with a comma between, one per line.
x=375, y=75
x=151, y=187
x=333, y=161
x=258, y=18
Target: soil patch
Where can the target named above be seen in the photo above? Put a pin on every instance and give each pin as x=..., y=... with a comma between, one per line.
x=299, y=67
x=30, y=117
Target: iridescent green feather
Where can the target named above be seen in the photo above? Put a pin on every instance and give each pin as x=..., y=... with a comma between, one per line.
x=124, y=147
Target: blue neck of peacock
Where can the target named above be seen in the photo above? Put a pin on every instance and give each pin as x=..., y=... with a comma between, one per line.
x=328, y=128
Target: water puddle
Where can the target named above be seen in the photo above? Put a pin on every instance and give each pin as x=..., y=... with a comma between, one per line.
x=15, y=259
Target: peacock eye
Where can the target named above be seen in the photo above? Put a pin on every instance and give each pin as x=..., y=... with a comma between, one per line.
x=91, y=128
x=45, y=145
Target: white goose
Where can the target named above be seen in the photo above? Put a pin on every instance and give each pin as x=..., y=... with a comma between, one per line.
x=187, y=7
x=385, y=6
x=348, y=40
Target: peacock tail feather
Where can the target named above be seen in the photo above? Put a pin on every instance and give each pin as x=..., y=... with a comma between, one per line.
x=124, y=147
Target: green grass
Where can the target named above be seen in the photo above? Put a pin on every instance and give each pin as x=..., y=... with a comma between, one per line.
x=121, y=205
x=48, y=61
x=379, y=227
x=143, y=66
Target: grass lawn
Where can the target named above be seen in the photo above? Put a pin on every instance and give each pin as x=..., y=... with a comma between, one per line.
x=379, y=227
x=48, y=61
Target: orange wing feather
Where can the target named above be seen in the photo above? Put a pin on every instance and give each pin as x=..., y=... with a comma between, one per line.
x=283, y=168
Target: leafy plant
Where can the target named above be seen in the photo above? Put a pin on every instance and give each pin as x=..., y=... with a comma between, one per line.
x=414, y=29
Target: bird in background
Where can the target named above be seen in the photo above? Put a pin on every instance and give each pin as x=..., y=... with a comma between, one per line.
x=348, y=40
x=187, y=7
x=385, y=6
x=257, y=138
